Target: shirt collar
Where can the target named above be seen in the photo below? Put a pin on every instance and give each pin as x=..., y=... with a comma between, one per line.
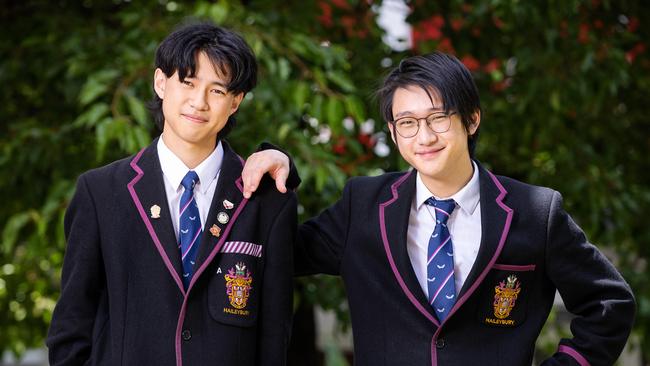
x=467, y=197
x=174, y=169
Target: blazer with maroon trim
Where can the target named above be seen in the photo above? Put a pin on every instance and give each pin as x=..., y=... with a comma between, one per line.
x=122, y=299
x=526, y=237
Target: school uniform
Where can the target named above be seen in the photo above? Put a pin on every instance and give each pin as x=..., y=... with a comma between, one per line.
x=123, y=301
x=529, y=247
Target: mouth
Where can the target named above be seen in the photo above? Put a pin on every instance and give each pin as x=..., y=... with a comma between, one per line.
x=429, y=153
x=194, y=118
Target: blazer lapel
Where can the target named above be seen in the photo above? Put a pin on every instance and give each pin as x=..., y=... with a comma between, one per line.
x=496, y=218
x=393, y=222
x=227, y=203
x=147, y=191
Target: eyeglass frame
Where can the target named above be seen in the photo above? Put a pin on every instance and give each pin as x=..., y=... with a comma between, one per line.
x=448, y=115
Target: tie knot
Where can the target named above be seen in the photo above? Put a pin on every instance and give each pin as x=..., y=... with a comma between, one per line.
x=443, y=208
x=189, y=180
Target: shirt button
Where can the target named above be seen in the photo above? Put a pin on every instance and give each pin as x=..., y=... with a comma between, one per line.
x=440, y=343
x=186, y=334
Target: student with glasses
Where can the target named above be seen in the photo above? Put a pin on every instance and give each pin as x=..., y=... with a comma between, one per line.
x=448, y=263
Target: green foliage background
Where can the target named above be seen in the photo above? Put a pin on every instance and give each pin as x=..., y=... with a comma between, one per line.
x=564, y=86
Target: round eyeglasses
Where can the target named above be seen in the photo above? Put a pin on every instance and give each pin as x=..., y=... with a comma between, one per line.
x=438, y=122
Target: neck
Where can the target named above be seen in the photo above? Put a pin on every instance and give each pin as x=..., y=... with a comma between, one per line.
x=190, y=154
x=451, y=182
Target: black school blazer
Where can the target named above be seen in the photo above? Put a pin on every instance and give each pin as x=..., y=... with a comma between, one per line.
x=529, y=245
x=122, y=300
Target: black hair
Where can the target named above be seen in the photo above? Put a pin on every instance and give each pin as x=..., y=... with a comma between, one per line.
x=439, y=73
x=227, y=51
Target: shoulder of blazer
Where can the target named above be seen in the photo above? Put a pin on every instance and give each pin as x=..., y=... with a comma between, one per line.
x=379, y=182
x=525, y=197
x=118, y=172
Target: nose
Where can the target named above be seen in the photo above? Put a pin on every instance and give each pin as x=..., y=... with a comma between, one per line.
x=199, y=100
x=426, y=135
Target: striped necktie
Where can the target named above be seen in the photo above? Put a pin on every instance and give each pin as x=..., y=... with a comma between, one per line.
x=189, y=226
x=440, y=263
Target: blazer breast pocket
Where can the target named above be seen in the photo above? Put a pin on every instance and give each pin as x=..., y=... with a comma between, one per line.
x=236, y=283
x=504, y=296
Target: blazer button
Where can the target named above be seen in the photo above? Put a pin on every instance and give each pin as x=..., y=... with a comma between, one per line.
x=186, y=334
x=440, y=343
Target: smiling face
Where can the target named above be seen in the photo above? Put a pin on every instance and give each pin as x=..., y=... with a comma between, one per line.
x=197, y=108
x=442, y=159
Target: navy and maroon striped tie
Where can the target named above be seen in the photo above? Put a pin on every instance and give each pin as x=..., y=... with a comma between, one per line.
x=440, y=261
x=189, y=226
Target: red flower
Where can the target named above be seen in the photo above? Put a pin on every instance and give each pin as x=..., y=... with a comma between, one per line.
x=366, y=140
x=633, y=24
x=492, y=65
x=326, y=17
x=498, y=22
x=470, y=62
x=341, y=4
x=457, y=24
x=339, y=146
x=445, y=46
x=583, y=33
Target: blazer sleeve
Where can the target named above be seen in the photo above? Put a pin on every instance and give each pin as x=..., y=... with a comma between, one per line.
x=277, y=293
x=592, y=290
x=321, y=240
x=83, y=282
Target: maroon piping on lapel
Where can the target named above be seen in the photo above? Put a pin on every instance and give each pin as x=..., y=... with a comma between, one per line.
x=206, y=262
x=147, y=223
x=504, y=234
x=573, y=353
x=389, y=255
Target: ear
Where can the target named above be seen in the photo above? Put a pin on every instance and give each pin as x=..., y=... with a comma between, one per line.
x=476, y=117
x=236, y=101
x=159, y=82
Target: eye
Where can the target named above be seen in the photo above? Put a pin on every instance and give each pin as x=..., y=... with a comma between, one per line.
x=217, y=91
x=406, y=122
x=437, y=118
x=187, y=83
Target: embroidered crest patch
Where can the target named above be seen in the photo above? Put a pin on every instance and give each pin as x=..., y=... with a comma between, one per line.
x=506, y=296
x=505, y=299
x=238, y=285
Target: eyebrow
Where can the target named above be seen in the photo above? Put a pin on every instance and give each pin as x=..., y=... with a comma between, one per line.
x=409, y=113
x=214, y=82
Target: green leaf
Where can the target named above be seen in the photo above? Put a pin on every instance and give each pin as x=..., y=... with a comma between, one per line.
x=138, y=110
x=335, y=113
x=341, y=80
x=354, y=106
x=96, y=85
x=300, y=94
x=91, y=90
x=92, y=115
x=284, y=69
x=102, y=135
x=12, y=229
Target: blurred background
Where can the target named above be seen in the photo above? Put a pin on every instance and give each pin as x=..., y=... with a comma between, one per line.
x=565, y=87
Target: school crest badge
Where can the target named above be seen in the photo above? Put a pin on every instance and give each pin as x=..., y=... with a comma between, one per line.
x=505, y=296
x=238, y=285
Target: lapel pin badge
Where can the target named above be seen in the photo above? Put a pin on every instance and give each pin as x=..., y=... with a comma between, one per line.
x=222, y=217
x=155, y=212
x=215, y=230
x=228, y=205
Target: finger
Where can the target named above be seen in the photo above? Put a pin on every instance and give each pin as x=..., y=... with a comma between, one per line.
x=281, y=182
x=250, y=185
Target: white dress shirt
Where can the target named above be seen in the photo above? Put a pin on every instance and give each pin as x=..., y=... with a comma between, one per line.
x=464, y=226
x=174, y=170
